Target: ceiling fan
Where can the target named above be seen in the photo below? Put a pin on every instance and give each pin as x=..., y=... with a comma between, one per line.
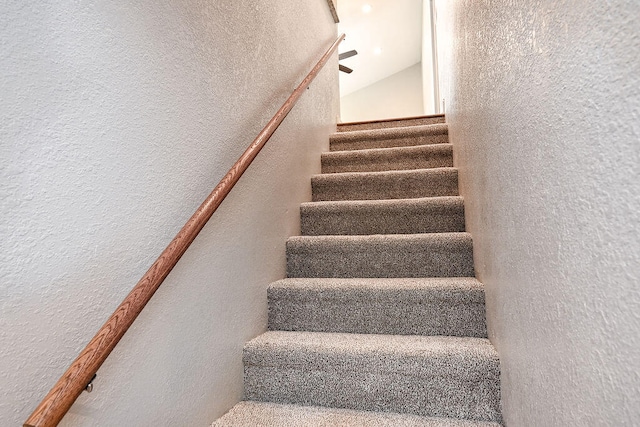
x=346, y=55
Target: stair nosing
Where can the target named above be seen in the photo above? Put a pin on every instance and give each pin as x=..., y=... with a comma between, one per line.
x=337, y=175
x=368, y=345
x=422, y=236
x=433, y=280
x=384, y=150
x=435, y=200
x=376, y=416
x=399, y=119
x=464, y=285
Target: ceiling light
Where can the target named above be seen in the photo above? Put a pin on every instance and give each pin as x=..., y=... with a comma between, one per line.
x=377, y=51
x=366, y=8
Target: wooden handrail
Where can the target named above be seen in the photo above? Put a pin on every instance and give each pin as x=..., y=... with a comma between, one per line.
x=58, y=401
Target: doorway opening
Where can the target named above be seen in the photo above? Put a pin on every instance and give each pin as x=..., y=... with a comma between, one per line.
x=395, y=70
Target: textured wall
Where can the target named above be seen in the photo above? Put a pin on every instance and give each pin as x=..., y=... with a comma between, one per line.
x=543, y=101
x=118, y=118
x=399, y=95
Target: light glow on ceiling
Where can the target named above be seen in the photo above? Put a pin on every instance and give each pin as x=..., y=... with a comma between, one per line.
x=366, y=8
x=393, y=26
x=377, y=51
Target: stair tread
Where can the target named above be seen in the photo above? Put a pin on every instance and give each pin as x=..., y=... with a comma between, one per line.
x=376, y=239
x=459, y=289
x=392, y=158
x=397, y=120
x=386, y=216
x=388, y=150
x=266, y=414
x=354, y=204
x=415, y=355
x=380, y=174
x=436, y=133
x=394, y=132
x=398, y=184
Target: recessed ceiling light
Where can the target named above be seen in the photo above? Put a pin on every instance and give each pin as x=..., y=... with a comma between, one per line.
x=377, y=51
x=366, y=8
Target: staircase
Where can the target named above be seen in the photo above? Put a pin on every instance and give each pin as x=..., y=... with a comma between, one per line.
x=380, y=321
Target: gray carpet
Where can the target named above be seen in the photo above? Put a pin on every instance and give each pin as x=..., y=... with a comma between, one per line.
x=386, y=255
x=385, y=159
x=399, y=216
x=401, y=306
x=392, y=137
x=380, y=321
x=391, y=123
x=264, y=414
x=385, y=185
x=431, y=376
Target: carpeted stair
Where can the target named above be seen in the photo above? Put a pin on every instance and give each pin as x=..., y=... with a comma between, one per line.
x=400, y=216
x=385, y=185
x=390, y=137
x=391, y=123
x=386, y=159
x=380, y=321
x=381, y=255
x=405, y=306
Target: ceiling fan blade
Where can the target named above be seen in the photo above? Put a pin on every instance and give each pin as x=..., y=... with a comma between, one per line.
x=348, y=54
x=345, y=69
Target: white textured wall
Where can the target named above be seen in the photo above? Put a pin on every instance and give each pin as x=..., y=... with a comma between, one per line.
x=543, y=101
x=399, y=95
x=117, y=119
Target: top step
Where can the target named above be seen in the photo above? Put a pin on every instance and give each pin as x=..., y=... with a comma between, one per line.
x=391, y=123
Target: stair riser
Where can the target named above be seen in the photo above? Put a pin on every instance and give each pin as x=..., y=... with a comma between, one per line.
x=376, y=391
x=337, y=144
x=386, y=124
x=422, y=157
x=390, y=185
x=380, y=258
x=376, y=314
x=383, y=218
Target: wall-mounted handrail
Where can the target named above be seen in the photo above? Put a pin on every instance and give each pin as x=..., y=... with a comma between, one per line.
x=58, y=401
x=334, y=12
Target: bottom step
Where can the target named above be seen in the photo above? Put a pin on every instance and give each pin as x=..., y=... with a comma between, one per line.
x=275, y=415
x=447, y=377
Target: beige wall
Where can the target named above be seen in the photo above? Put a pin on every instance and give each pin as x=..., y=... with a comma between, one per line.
x=428, y=75
x=543, y=102
x=118, y=118
x=399, y=95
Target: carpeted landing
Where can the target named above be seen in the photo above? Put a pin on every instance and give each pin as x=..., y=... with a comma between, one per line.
x=380, y=321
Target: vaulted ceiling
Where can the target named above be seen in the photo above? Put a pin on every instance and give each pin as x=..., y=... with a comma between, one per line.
x=387, y=35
